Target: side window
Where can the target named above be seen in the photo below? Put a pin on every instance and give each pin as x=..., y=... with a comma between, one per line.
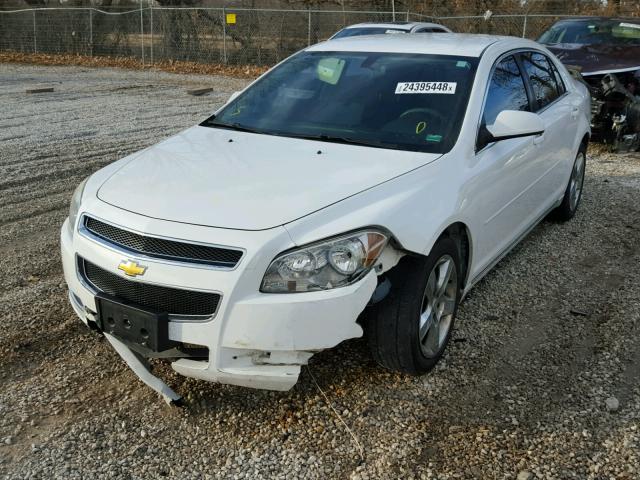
x=542, y=78
x=506, y=91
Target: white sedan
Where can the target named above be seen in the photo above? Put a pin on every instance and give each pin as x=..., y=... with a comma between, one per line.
x=385, y=173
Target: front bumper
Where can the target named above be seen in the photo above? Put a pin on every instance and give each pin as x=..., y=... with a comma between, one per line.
x=254, y=340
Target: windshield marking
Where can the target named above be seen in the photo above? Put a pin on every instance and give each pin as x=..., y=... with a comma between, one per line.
x=426, y=87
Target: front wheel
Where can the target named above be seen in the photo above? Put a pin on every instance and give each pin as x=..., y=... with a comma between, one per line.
x=410, y=329
x=573, y=192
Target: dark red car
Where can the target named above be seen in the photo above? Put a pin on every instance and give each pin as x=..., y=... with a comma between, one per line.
x=606, y=51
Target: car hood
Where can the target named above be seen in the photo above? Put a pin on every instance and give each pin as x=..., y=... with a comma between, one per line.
x=228, y=179
x=597, y=58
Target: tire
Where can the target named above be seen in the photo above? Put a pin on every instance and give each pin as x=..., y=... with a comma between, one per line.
x=393, y=326
x=573, y=192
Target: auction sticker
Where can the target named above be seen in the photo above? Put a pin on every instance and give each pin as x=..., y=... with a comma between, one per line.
x=426, y=87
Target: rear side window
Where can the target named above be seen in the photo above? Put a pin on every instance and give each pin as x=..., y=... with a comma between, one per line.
x=506, y=91
x=543, y=78
x=431, y=30
x=559, y=82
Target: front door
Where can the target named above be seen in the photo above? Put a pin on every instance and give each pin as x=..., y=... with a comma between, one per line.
x=503, y=171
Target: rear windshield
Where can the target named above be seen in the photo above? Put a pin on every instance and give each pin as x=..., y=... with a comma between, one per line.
x=390, y=100
x=607, y=32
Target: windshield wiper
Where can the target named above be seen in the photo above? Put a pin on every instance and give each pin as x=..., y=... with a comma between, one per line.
x=322, y=138
x=229, y=126
x=347, y=141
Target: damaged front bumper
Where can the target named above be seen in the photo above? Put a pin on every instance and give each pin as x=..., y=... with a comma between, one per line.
x=254, y=339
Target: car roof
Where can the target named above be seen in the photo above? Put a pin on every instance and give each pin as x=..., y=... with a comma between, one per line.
x=462, y=44
x=407, y=26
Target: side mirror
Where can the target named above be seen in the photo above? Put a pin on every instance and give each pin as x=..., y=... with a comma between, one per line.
x=515, y=124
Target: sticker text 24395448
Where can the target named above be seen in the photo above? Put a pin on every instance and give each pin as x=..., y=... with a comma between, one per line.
x=426, y=87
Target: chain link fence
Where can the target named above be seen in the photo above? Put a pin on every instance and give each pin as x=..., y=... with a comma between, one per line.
x=206, y=35
x=526, y=26
x=236, y=36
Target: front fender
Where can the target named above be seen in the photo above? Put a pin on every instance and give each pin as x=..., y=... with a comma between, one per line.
x=415, y=207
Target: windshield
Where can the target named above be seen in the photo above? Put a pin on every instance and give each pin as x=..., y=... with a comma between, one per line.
x=607, y=32
x=354, y=32
x=387, y=100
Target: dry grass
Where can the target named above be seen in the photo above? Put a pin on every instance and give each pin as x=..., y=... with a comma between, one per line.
x=239, y=71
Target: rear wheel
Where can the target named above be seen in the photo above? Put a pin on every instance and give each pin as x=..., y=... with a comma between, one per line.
x=410, y=329
x=573, y=193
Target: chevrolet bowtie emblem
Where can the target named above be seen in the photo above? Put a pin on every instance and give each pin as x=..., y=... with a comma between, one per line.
x=131, y=268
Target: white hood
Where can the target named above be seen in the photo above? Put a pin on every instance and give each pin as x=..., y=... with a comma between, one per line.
x=222, y=178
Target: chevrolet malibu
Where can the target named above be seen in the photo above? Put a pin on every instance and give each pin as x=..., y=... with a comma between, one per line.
x=382, y=172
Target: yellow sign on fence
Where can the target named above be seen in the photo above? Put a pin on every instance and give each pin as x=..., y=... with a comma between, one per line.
x=231, y=18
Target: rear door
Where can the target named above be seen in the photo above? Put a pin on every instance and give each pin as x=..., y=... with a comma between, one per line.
x=554, y=103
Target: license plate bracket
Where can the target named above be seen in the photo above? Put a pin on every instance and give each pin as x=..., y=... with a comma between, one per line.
x=133, y=323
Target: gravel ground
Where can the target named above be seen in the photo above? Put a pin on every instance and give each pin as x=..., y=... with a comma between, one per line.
x=540, y=381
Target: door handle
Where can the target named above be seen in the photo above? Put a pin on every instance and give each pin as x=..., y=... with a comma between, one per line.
x=574, y=112
x=538, y=139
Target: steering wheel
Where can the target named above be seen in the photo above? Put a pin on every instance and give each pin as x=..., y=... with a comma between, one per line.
x=425, y=110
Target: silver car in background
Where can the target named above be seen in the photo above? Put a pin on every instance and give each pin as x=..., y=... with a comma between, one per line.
x=392, y=27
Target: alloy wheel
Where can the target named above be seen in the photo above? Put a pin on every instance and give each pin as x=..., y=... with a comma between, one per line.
x=576, y=181
x=438, y=306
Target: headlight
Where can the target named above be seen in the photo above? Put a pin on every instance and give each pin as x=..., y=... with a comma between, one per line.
x=74, y=207
x=332, y=263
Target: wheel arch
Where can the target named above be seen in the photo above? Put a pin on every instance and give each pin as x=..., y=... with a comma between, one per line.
x=461, y=235
x=585, y=139
x=459, y=232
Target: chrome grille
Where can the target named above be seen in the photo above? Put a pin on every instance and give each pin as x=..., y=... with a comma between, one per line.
x=173, y=301
x=162, y=248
